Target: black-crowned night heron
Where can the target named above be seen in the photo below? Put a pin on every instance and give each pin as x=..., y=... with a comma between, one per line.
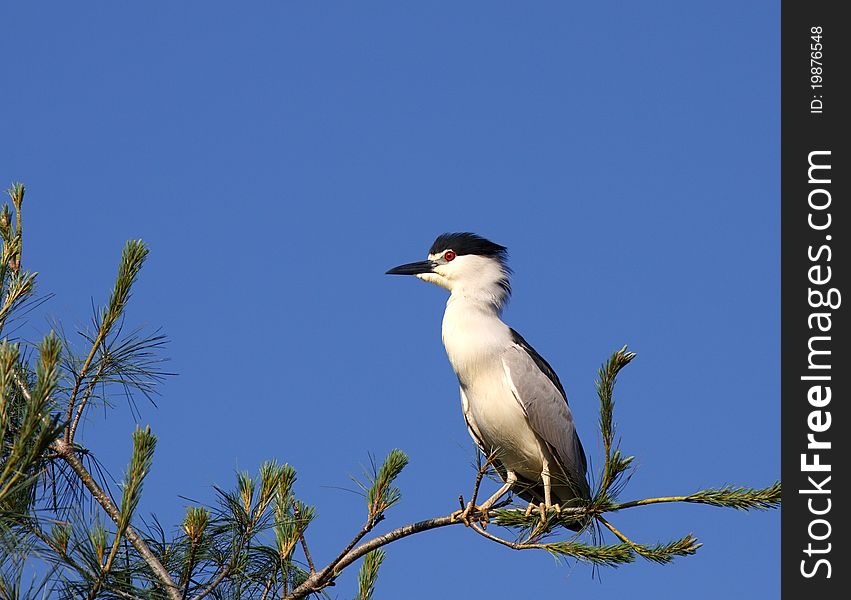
x=513, y=402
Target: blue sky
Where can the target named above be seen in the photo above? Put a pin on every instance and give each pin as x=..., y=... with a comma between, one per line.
x=279, y=157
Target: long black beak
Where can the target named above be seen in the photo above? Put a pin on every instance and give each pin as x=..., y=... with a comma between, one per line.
x=414, y=268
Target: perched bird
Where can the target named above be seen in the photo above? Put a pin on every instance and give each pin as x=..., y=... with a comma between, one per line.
x=513, y=402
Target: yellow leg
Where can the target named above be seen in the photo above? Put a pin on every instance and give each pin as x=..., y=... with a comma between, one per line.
x=545, y=476
x=482, y=509
x=510, y=480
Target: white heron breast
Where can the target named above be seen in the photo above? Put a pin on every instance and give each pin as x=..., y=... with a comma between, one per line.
x=499, y=420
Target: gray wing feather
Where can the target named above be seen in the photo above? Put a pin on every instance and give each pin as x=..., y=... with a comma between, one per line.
x=546, y=410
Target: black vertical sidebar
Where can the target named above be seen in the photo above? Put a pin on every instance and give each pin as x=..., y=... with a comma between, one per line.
x=815, y=366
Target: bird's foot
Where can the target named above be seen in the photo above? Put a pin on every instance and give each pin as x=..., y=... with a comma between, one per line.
x=542, y=509
x=470, y=514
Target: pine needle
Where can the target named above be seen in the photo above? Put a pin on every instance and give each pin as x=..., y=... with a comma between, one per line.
x=369, y=574
x=381, y=495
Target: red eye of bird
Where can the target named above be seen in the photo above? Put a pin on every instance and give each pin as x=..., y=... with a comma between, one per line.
x=449, y=255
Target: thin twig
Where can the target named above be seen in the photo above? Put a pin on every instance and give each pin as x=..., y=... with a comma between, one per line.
x=285, y=583
x=328, y=573
x=214, y=583
x=499, y=540
x=120, y=593
x=321, y=579
x=479, y=476
x=617, y=533
x=25, y=392
x=190, y=566
x=304, y=549
x=268, y=586
x=329, y=570
x=101, y=336
x=646, y=501
x=86, y=395
x=307, y=554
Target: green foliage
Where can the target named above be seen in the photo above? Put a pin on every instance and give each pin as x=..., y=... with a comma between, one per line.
x=27, y=422
x=609, y=556
x=144, y=443
x=42, y=473
x=97, y=540
x=369, y=574
x=60, y=535
x=514, y=518
x=16, y=286
x=195, y=523
x=27, y=425
x=382, y=494
x=741, y=498
x=616, y=464
x=665, y=553
x=132, y=258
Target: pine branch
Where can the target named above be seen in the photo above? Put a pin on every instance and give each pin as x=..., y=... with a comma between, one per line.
x=68, y=454
x=741, y=498
x=30, y=423
x=381, y=495
x=58, y=541
x=19, y=288
x=615, y=464
x=17, y=192
x=144, y=443
x=316, y=582
x=194, y=526
x=516, y=518
x=298, y=515
x=369, y=574
x=132, y=258
x=607, y=555
x=659, y=553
